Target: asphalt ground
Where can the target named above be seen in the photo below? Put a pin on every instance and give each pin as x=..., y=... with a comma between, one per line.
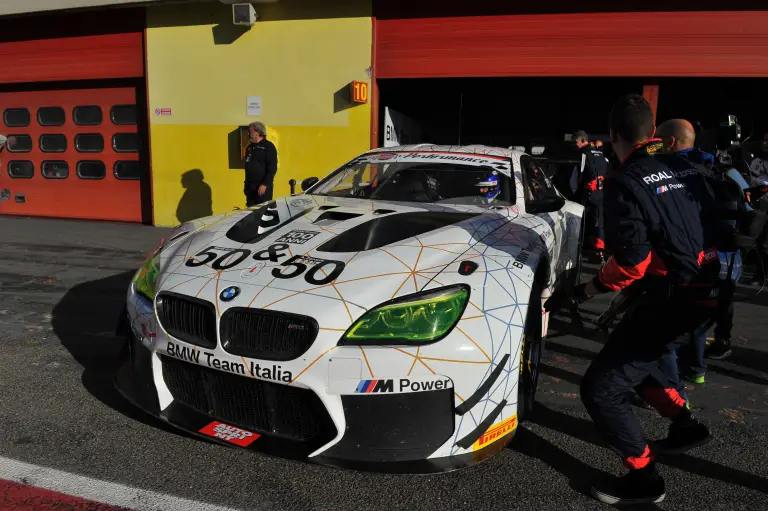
x=62, y=285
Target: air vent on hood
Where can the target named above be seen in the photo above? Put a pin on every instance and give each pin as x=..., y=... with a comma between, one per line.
x=259, y=224
x=391, y=229
x=333, y=217
x=323, y=208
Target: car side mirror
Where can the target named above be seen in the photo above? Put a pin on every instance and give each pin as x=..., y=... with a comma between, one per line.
x=308, y=183
x=545, y=204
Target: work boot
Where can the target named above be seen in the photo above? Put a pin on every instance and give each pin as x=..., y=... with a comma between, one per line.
x=719, y=349
x=639, y=486
x=684, y=434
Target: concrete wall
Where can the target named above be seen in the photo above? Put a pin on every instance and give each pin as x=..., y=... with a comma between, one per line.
x=297, y=58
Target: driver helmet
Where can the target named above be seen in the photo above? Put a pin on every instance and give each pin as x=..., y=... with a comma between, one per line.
x=489, y=186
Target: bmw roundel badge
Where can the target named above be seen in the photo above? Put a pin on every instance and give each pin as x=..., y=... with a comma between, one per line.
x=229, y=294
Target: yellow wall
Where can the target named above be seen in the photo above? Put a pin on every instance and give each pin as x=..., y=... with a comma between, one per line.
x=203, y=68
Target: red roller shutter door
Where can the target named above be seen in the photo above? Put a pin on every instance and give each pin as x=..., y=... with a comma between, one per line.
x=68, y=93
x=73, y=58
x=726, y=44
x=76, y=154
x=79, y=45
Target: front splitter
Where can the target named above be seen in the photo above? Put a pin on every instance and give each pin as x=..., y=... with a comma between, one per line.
x=133, y=381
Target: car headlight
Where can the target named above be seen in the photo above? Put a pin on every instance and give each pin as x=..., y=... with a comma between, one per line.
x=415, y=319
x=145, y=280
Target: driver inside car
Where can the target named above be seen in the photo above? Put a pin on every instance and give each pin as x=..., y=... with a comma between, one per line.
x=489, y=187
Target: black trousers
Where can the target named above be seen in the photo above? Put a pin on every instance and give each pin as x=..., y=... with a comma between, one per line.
x=594, y=227
x=252, y=196
x=632, y=359
x=724, y=324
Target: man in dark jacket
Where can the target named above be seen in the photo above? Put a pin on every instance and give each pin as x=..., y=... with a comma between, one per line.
x=660, y=227
x=593, y=168
x=679, y=136
x=260, y=166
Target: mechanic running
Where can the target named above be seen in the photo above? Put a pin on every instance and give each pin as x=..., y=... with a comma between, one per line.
x=260, y=166
x=594, y=167
x=660, y=227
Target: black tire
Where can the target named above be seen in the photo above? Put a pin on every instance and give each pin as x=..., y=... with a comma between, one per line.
x=531, y=350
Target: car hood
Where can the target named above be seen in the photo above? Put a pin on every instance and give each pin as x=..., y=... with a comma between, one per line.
x=357, y=253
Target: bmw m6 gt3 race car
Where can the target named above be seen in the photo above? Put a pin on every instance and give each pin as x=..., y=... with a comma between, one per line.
x=390, y=317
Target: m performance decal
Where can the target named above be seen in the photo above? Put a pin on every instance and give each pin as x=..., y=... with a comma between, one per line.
x=390, y=385
x=368, y=386
x=498, y=162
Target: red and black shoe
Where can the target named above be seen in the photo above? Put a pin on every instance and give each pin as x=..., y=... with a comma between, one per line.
x=684, y=435
x=640, y=486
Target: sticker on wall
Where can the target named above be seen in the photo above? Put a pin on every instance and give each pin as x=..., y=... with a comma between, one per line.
x=254, y=105
x=163, y=111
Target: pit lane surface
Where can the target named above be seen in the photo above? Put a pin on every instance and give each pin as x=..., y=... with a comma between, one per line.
x=62, y=284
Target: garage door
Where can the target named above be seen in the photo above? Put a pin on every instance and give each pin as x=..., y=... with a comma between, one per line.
x=597, y=44
x=75, y=154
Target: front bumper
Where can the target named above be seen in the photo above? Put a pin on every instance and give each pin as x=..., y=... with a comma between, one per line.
x=393, y=433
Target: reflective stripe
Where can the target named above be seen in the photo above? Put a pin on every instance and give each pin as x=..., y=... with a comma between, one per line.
x=667, y=402
x=616, y=277
x=638, y=462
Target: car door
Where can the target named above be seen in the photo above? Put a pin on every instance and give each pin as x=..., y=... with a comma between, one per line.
x=538, y=187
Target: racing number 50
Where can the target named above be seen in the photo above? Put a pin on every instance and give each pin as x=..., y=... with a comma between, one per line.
x=311, y=276
x=218, y=264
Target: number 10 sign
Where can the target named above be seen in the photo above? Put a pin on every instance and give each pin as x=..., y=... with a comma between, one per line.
x=359, y=92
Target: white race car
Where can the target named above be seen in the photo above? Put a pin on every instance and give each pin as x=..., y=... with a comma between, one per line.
x=388, y=318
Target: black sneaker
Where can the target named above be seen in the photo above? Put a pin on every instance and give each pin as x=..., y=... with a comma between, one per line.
x=683, y=436
x=643, y=486
x=718, y=350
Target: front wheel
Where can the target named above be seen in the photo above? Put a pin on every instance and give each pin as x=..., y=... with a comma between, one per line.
x=531, y=349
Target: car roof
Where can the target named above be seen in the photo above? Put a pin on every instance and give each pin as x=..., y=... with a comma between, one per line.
x=477, y=149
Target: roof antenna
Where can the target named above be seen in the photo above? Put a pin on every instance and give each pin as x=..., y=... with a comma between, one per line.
x=461, y=107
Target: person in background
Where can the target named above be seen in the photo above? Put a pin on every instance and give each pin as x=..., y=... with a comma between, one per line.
x=260, y=166
x=3, y=142
x=759, y=166
x=4, y=193
x=594, y=167
x=679, y=136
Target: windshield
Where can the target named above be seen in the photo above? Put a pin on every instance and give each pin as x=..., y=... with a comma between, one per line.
x=439, y=183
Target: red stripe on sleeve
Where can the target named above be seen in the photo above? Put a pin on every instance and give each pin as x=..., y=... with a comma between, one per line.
x=657, y=266
x=616, y=277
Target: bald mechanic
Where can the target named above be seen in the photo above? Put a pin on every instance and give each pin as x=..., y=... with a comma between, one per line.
x=678, y=136
x=660, y=225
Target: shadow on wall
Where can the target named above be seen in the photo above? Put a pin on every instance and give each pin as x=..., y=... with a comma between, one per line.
x=197, y=201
